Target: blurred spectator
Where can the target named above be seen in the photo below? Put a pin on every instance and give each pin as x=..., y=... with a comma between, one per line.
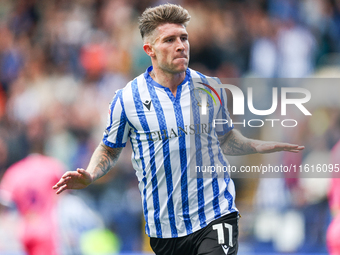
x=296, y=48
x=264, y=53
x=11, y=59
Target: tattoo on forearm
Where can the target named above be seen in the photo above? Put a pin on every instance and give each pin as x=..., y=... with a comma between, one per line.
x=235, y=144
x=107, y=158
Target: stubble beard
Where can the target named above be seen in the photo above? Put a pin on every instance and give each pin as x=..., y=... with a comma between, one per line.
x=175, y=69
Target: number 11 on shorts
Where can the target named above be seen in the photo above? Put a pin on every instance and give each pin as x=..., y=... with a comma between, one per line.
x=220, y=233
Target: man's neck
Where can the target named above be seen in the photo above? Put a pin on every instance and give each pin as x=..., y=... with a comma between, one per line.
x=168, y=80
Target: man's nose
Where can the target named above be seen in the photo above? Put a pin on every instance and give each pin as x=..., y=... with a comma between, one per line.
x=180, y=45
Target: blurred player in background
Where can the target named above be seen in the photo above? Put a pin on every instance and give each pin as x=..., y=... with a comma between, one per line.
x=27, y=186
x=333, y=233
x=183, y=215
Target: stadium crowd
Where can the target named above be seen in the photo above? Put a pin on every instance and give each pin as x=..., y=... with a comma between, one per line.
x=62, y=61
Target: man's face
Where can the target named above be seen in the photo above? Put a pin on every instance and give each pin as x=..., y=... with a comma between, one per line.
x=171, y=48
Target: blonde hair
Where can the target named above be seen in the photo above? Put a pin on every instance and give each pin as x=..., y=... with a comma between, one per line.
x=162, y=14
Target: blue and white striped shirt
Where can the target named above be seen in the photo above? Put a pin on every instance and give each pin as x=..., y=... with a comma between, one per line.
x=169, y=138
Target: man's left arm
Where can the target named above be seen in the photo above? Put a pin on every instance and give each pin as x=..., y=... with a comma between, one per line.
x=234, y=143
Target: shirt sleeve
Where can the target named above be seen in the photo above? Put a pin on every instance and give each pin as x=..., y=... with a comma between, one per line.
x=223, y=122
x=117, y=128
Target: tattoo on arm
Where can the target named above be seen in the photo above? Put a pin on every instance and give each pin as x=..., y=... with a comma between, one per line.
x=104, y=159
x=234, y=143
x=109, y=158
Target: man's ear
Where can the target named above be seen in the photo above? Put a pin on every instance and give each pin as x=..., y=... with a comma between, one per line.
x=149, y=49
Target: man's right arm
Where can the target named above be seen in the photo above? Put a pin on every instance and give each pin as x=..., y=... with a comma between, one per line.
x=103, y=160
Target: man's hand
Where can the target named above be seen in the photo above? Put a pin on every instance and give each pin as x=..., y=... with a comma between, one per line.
x=74, y=180
x=103, y=160
x=268, y=147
